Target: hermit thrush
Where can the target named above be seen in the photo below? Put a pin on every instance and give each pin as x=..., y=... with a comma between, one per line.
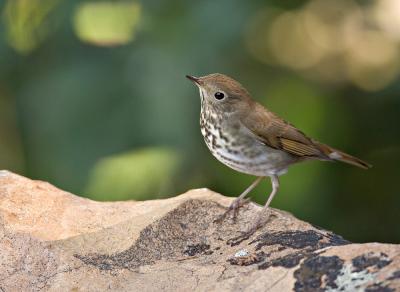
x=247, y=137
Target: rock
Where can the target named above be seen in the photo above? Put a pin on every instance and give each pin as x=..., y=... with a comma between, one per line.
x=52, y=240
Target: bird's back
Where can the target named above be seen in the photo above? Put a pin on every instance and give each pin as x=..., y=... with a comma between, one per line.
x=278, y=134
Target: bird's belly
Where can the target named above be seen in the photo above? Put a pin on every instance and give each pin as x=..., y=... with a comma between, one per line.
x=246, y=154
x=268, y=162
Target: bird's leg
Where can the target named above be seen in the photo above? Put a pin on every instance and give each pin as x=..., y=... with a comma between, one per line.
x=259, y=221
x=238, y=202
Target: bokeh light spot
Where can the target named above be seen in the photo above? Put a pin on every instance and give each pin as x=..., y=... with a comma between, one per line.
x=107, y=23
x=26, y=23
x=139, y=174
x=335, y=42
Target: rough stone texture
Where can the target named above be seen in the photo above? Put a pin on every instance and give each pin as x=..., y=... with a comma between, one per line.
x=52, y=240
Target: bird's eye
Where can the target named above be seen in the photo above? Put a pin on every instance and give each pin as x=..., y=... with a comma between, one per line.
x=219, y=95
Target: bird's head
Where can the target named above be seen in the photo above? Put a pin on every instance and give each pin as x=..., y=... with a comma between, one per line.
x=221, y=92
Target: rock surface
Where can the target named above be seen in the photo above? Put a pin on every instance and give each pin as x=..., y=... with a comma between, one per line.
x=52, y=240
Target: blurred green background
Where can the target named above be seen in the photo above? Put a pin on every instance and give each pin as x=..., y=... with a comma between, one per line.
x=93, y=98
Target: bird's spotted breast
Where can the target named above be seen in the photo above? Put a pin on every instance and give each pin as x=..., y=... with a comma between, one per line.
x=231, y=144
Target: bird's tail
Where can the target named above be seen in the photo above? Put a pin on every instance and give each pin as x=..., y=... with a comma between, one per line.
x=338, y=155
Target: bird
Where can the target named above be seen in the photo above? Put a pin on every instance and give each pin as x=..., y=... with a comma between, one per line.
x=247, y=137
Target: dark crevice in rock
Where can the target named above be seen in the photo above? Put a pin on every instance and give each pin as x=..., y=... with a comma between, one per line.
x=395, y=275
x=370, y=260
x=292, y=239
x=307, y=241
x=335, y=240
x=288, y=261
x=298, y=239
x=201, y=248
x=378, y=287
x=317, y=273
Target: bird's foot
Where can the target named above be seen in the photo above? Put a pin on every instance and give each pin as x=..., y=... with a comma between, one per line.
x=234, y=208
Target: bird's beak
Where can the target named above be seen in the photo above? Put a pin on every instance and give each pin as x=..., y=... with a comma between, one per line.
x=196, y=80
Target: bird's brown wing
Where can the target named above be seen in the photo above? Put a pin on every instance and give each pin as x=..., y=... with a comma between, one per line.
x=279, y=134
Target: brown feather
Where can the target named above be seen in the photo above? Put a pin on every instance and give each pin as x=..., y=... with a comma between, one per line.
x=279, y=134
x=338, y=155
